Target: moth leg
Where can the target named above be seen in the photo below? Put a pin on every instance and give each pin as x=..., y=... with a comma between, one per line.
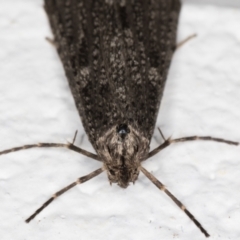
x=184, y=41
x=204, y=138
x=57, y=194
x=159, y=185
x=57, y=145
x=74, y=138
x=187, y=139
x=161, y=134
x=51, y=41
x=84, y=152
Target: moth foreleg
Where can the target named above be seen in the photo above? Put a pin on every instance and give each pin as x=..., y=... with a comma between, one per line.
x=187, y=139
x=54, y=145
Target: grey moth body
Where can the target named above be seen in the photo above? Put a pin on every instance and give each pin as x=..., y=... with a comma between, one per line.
x=116, y=55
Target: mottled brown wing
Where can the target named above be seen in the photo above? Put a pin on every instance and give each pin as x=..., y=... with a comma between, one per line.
x=116, y=55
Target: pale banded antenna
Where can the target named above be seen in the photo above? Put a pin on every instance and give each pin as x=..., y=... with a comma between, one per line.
x=159, y=185
x=57, y=194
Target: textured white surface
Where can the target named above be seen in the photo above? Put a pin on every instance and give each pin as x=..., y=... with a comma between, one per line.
x=202, y=97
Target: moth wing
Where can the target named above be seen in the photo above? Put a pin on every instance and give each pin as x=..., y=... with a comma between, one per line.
x=116, y=55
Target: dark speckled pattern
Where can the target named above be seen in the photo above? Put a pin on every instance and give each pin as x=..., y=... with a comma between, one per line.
x=116, y=56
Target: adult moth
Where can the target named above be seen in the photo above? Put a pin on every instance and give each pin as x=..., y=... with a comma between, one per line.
x=116, y=55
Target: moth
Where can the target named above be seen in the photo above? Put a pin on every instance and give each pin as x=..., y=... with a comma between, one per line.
x=116, y=56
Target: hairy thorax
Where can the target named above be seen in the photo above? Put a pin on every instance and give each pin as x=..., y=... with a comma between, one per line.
x=122, y=148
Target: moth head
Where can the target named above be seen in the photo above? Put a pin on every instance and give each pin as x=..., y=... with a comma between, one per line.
x=122, y=174
x=122, y=149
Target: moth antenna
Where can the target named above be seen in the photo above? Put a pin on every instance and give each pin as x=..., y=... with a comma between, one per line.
x=159, y=185
x=57, y=194
x=187, y=139
x=56, y=145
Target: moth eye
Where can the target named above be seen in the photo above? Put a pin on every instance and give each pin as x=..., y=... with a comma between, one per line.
x=136, y=148
x=112, y=172
x=123, y=130
x=109, y=151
